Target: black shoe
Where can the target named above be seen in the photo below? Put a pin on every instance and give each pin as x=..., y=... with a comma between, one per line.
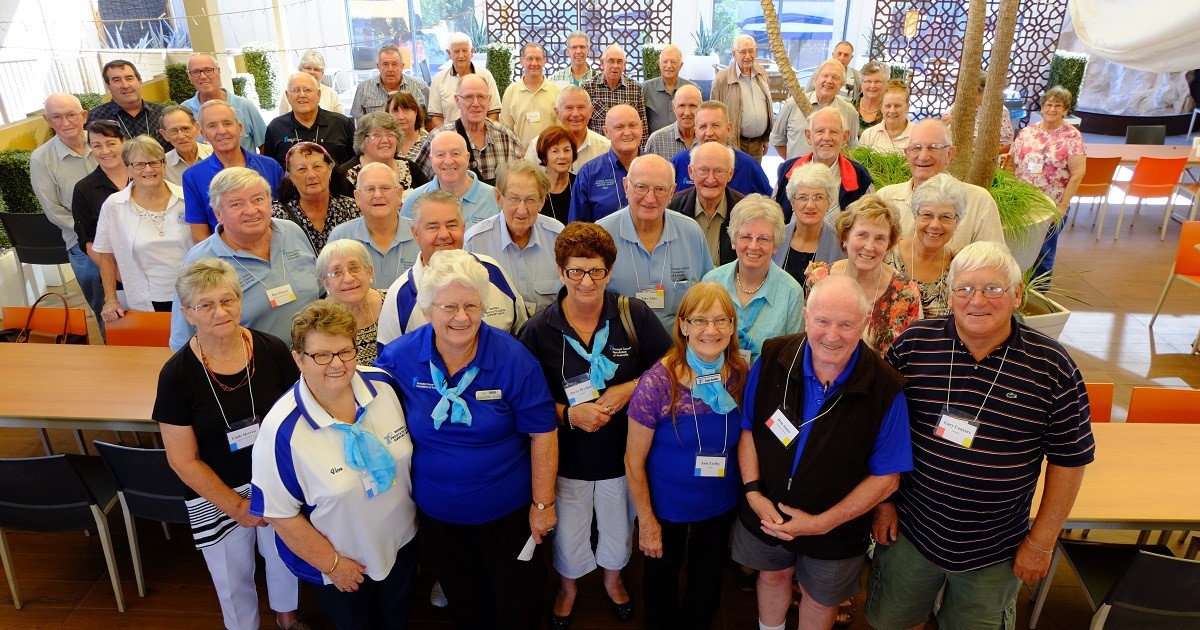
x=560, y=622
x=623, y=612
x=746, y=582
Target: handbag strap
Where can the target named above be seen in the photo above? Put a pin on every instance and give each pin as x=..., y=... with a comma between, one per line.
x=627, y=322
x=33, y=309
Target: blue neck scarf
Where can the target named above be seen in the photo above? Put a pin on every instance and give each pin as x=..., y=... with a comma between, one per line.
x=746, y=319
x=713, y=394
x=364, y=451
x=602, y=368
x=451, y=404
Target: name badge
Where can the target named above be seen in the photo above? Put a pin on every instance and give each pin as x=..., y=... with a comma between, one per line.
x=955, y=427
x=580, y=390
x=654, y=298
x=708, y=378
x=487, y=394
x=242, y=434
x=1034, y=164
x=534, y=116
x=745, y=354
x=281, y=295
x=783, y=428
x=710, y=466
x=369, y=486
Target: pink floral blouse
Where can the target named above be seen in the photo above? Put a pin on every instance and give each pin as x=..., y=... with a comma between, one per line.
x=896, y=308
x=1041, y=157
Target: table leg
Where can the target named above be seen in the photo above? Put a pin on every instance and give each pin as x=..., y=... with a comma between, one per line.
x=45, y=441
x=1043, y=588
x=79, y=441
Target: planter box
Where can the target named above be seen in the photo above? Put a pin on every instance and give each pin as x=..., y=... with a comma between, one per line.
x=1044, y=314
x=1025, y=242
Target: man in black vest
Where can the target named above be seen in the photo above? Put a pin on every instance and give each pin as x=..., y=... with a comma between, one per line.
x=824, y=439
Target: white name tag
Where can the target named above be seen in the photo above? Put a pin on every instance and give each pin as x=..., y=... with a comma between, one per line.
x=958, y=430
x=579, y=390
x=710, y=465
x=242, y=437
x=708, y=378
x=745, y=354
x=534, y=116
x=1034, y=163
x=783, y=428
x=281, y=295
x=654, y=298
x=487, y=394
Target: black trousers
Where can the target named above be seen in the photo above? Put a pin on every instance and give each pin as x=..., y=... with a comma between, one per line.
x=384, y=604
x=705, y=546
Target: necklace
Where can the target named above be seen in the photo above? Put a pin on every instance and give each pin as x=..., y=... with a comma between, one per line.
x=737, y=278
x=157, y=219
x=249, y=353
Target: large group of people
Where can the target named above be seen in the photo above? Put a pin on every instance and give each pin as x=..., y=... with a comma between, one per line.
x=568, y=320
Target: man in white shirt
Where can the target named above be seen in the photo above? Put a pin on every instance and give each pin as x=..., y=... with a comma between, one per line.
x=444, y=86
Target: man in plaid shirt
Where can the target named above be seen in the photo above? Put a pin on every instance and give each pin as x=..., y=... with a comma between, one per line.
x=491, y=143
x=136, y=116
x=611, y=87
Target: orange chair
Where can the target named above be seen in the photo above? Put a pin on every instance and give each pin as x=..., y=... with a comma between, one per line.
x=139, y=328
x=47, y=319
x=1152, y=178
x=1097, y=180
x=1187, y=263
x=1170, y=405
x=1100, y=398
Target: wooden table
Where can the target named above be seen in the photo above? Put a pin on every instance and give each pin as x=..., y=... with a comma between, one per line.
x=79, y=387
x=1129, y=153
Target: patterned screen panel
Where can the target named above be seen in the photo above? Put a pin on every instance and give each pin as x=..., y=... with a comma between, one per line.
x=926, y=36
x=628, y=23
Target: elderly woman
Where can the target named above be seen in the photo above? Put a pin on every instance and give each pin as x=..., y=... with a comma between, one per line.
x=387, y=235
x=937, y=206
x=352, y=532
x=519, y=238
x=486, y=450
x=591, y=359
x=274, y=259
x=768, y=301
x=808, y=237
x=105, y=138
x=347, y=275
x=681, y=459
x=178, y=126
x=410, y=116
x=211, y=395
x=377, y=139
x=892, y=136
x=314, y=196
x=556, y=152
x=141, y=237
x=312, y=63
x=1050, y=155
x=872, y=78
x=867, y=230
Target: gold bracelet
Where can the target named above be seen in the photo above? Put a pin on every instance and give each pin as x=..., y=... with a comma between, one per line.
x=336, y=559
x=1034, y=545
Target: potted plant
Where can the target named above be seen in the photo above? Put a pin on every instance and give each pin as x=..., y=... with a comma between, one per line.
x=1041, y=312
x=500, y=63
x=699, y=67
x=1067, y=69
x=650, y=53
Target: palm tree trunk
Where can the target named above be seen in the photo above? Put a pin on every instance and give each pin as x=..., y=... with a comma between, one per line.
x=779, y=51
x=962, y=122
x=983, y=160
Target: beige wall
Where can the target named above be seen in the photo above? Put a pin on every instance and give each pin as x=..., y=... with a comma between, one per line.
x=28, y=134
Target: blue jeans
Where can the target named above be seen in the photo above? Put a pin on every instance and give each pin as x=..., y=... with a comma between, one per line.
x=88, y=275
x=1045, y=260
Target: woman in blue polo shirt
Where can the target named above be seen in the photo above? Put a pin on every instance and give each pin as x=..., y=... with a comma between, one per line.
x=681, y=460
x=485, y=448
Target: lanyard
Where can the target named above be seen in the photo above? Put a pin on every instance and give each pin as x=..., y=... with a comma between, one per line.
x=696, y=421
x=950, y=381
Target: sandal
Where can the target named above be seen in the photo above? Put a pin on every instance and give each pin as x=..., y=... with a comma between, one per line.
x=845, y=615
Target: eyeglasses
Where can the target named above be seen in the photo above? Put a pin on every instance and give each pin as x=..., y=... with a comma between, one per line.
x=943, y=217
x=370, y=191
x=917, y=148
x=299, y=90
x=58, y=118
x=703, y=172
x=208, y=72
x=762, y=239
x=352, y=269
x=800, y=200
x=380, y=135
x=722, y=323
x=325, y=358
x=991, y=291
x=207, y=308
x=471, y=309
x=596, y=273
x=140, y=166
x=642, y=189
x=530, y=202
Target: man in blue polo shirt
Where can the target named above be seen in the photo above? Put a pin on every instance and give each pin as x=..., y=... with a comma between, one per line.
x=713, y=125
x=599, y=190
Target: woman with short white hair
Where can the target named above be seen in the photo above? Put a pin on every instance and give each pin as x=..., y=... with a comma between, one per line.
x=937, y=207
x=808, y=239
x=313, y=63
x=345, y=271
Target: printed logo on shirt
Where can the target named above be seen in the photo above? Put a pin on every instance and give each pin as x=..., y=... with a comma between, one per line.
x=619, y=353
x=604, y=183
x=679, y=274
x=292, y=255
x=1011, y=395
x=395, y=436
x=494, y=311
x=420, y=385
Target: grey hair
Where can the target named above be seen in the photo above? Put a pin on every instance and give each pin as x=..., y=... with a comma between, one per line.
x=447, y=267
x=732, y=157
x=311, y=58
x=341, y=248
x=209, y=55
x=1060, y=94
x=521, y=168
x=306, y=76
x=839, y=283
x=813, y=175
x=831, y=62
x=983, y=255
x=571, y=90
x=756, y=207
x=389, y=48
x=434, y=196
x=141, y=145
x=203, y=275
x=371, y=168
x=171, y=109
x=528, y=45
x=459, y=37
x=744, y=38
x=617, y=48
x=874, y=67
x=829, y=110
x=216, y=102
x=941, y=189
x=372, y=121
x=577, y=35
x=671, y=47
x=233, y=179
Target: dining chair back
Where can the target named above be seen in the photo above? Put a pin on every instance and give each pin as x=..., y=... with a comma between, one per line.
x=47, y=319
x=1187, y=263
x=1146, y=134
x=1100, y=400
x=139, y=328
x=1154, y=591
x=35, y=240
x=1152, y=178
x=1170, y=405
x=1096, y=182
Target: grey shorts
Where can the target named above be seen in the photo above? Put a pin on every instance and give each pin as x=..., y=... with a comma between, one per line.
x=828, y=582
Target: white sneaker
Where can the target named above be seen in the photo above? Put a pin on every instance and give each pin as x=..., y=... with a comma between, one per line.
x=436, y=597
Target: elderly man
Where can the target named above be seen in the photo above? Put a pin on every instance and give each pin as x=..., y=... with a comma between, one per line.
x=843, y=53
x=490, y=143
x=681, y=134
x=929, y=152
x=711, y=200
x=579, y=71
x=961, y=518
x=599, y=188
x=205, y=75
x=450, y=160
x=528, y=105
x=437, y=222
x=444, y=106
x=659, y=93
x=713, y=125
x=309, y=123
x=274, y=258
x=807, y=511
x=381, y=229
x=611, y=88
x=574, y=112
x=219, y=123
x=520, y=238
x=54, y=169
x=743, y=87
x=313, y=63
x=828, y=136
x=788, y=136
x=136, y=116
x=372, y=95
x=179, y=127
x=661, y=253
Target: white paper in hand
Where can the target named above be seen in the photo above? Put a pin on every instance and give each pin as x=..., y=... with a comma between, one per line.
x=527, y=553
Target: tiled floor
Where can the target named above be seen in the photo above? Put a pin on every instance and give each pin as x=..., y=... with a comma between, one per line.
x=64, y=583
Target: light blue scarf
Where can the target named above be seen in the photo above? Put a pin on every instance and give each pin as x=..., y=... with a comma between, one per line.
x=714, y=394
x=364, y=451
x=451, y=404
x=602, y=368
x=746, y=319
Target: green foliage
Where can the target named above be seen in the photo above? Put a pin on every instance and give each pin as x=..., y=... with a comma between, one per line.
x=89, y=100
x=239, y=86
x=16, y=191
x=650, y=54
x=886, y=168
x=708, y=42
x=480, y=37
x=725, y=23
x=500, y=64
x=258, y=63
x=178, y=86
x=1067, y=69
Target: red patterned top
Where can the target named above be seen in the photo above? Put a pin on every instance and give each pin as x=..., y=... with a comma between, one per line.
x=1041, y=157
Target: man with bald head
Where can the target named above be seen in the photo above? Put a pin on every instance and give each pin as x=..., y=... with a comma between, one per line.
x=611, y=88
x=450, y=160
x=443, y=89
x=743, y=87
x=828, y=137
x=205, y=74
x=599, y=190
x=713, y=125
x=710, y=202
x=490, y=144
x=307, y=122
x=929, y=152
x=662, y=254
x=574, y=111
x=788, y=135
x=680, y=135
x=659, y=92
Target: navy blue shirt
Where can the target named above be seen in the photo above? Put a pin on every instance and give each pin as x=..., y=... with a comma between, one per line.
x=599, y=189
x=748, y=175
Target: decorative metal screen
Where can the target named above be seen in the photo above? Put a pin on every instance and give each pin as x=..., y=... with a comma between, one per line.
x=927, y=37
x=628, y=23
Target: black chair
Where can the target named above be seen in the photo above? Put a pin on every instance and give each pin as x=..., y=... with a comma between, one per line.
x=1146, y=134
x=35, y=240
x=146, y=488
x=59, y=493
x=1096, y=565
x=1153, y=591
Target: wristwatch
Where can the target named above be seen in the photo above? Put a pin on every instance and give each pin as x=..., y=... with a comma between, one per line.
x=541, y=506
x=751, y=486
